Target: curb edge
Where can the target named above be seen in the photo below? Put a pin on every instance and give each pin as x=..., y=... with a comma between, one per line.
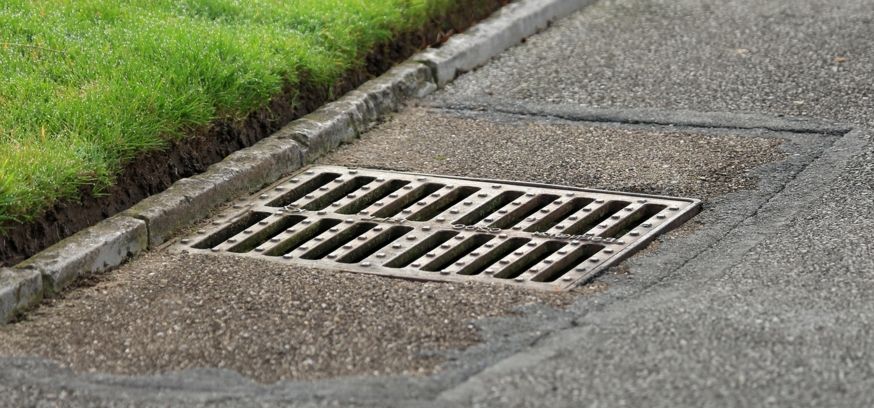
x=153, y=221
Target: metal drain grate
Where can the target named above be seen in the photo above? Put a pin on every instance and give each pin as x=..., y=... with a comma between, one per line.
x=441, y=228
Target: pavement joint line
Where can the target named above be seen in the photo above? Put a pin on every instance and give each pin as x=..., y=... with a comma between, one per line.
x=632, y=116
x=740, y=222
x=579, y=321
x=155, y=220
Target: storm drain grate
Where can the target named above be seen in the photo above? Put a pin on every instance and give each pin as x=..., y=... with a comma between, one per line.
x=441, y=228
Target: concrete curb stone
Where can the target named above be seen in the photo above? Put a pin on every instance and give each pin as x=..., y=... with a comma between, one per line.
x=96, y=249
x=250, y=169
x=507, y=27
x=20, y=289
x=155, y=220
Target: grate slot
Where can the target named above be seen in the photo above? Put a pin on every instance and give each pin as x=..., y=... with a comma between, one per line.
x=270, y=231
x=422, y=248
x=490, y=258
x=407, y=200
x=596, y=217
x=363, y=251
x=457, y=252
x=633, y=220
x=443, y=203
x=234, y=228
x=313, y=230
x=302, y=190
x=564, y=265
x=338, y=240
x=489, y=207
x=524, y=210
x=560, y=214
x=529, y=259
x=377, y=194
x=323, y=201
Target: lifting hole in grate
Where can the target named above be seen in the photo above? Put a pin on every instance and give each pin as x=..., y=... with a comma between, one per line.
x=302, y=190
x=338, y=240
x=272, y=230
x=596, y=217
x=422, y=248
x=372, y=197
x=407, y=200
x=378, y=242
x=324, y=200
x=489, y=207
x=563, y=266
x=524, y=210
x=235, y=227
x=530, y=259
x=443, y=203
x=633, y=221
x=484, y=262
x=457, y=252
x=297, y=239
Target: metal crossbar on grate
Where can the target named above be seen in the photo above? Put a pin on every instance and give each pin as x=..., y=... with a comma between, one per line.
x=427, y=227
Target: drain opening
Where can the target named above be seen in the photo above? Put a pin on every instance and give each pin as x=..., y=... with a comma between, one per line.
x=370, y=198
x=560, y=214
x=548, y=244
x=422, y=248
x=564, y=265
x=489, y=207
x=633, y=221
x=237, y=226
x=407, y=200
x=272, y=230
x=599, y=215
x=443, y=203
x=302, y=190
x=323, y=201
x=457, y=252
x=293, y=242
x=530, y=259
x=371, y=246
x=483, y=262
x=336, y=241
x=525, y=210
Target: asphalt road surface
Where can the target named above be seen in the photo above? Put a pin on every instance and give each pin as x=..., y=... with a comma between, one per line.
x=766, y=298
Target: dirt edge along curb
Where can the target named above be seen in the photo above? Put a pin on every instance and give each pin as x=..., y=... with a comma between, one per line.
x=155, y=219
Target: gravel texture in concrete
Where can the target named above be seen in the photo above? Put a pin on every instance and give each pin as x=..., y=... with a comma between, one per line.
x=268, y=321
x=799, y=57
x=498, y=146
x=273, y=322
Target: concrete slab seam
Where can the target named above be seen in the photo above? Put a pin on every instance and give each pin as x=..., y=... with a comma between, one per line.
x=692, y=119
x=153, y=221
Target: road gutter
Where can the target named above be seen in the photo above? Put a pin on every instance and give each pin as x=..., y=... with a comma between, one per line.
x=156, y=219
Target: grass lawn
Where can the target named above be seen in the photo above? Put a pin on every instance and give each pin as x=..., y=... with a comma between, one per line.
x=86, y=85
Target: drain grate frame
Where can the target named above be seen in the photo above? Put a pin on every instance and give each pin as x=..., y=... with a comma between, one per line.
x=440, y=228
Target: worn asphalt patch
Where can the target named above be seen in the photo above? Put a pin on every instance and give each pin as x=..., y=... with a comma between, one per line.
x=266, y=320
x=652, y=160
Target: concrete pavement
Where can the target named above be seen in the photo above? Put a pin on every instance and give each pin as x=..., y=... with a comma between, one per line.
x=763, y=299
